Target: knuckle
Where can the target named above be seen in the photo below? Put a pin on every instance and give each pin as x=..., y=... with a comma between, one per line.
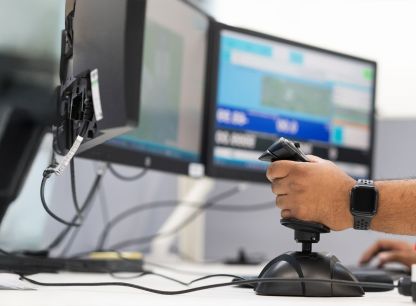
x=285, y=213
x=380, y=242
x=296, y=186
x=278, y=186
x=280, y=201
x=303, y=168
x=275, y=186
x=270, y=173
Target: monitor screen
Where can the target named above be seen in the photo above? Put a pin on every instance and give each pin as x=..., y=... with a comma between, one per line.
x=267, y=87
x=172, y=92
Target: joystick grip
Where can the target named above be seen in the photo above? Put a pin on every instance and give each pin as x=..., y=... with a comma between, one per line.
x=305, y=232
x=284, y=149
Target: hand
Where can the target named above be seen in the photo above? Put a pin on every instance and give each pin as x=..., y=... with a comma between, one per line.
x=315, y=191
x=390, y=251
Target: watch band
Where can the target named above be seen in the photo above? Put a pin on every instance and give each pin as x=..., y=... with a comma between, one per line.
x=363, y=222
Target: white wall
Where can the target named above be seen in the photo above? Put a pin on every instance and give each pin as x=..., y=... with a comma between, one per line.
x=32, y=28
x=382, y=30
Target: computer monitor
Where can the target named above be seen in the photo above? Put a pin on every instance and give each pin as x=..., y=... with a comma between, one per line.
x=172, y=93
x=103, y=36
x=264, y=87
x=26, y=110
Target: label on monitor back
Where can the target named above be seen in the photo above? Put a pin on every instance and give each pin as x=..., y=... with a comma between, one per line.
x=96, y=98
x=67, y=158
x=196, y=170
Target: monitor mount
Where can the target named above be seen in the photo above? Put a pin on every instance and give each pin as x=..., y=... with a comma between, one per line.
x=303, y=264
x=75, y=106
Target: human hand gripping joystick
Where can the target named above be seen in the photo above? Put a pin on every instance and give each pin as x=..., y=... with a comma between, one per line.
x=304, y=264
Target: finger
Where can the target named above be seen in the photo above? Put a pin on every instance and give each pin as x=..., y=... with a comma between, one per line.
x=376, y=248
x=282, y=202
x=393, y=256
x=314, y=159
x=279, y=169
x=279, y=187
x=286, y=213
x=369, y=254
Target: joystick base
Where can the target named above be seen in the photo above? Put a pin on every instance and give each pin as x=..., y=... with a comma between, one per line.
x=297, y=265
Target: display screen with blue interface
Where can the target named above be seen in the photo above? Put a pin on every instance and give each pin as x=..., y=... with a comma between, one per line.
x=267, y=89
x=173, y=78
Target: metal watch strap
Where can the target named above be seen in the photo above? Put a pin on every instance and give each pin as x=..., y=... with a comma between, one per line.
x=363, y=222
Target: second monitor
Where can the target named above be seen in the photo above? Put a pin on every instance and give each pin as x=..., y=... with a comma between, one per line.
x=263, y=87
x=172, y=93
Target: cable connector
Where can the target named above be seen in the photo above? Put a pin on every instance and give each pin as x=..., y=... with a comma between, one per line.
x=58, y=169
x=407, y=284
x=101, y=168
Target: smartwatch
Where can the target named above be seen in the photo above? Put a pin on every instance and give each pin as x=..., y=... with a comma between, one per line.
x=363, y=203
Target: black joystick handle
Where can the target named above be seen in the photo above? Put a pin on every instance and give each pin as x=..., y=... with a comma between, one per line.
x=284, y=149
x=305, y=232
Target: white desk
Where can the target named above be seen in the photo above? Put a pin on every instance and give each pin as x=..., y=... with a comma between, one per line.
x=229, y=296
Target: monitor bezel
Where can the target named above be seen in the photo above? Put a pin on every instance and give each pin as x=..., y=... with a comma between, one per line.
x=79, y=58
x=223, y=172
x=149, y=160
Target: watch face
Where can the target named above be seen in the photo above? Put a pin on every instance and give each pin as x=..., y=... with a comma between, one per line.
x=364, y=200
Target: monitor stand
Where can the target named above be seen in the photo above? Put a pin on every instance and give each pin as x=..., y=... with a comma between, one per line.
x=191, y=239
x=307, y=264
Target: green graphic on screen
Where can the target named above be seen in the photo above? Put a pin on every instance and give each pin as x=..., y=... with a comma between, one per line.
x=161, y=86
x=296, y=97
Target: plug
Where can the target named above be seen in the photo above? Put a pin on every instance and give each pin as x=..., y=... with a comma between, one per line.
x=407, y=285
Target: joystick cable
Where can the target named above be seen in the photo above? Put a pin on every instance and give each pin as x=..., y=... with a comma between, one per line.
x=211, y=286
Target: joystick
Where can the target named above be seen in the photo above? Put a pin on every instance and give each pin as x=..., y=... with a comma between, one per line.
x=303, y=264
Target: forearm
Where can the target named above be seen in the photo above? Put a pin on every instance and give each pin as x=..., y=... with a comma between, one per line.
x=396, y=207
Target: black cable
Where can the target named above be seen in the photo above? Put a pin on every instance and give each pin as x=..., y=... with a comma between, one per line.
x=74, y=190
x=147, y=262
x=49, y=212
x=5, y=253
x=217, y=285
x=84, y=128
x=87, y=211
x=71, y=239
x=144, y=273
x=149, y=238
x=104, y=206
x=61, y=236
x=124, y=177
x=150, y=273
x=174, y=279
x=47, y=174
x=141, y=274
x=171, y=203
x=215, y=275
x=113, y=274
x=75, y=232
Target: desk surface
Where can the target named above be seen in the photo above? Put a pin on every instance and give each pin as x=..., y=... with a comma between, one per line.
x=230, y=296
